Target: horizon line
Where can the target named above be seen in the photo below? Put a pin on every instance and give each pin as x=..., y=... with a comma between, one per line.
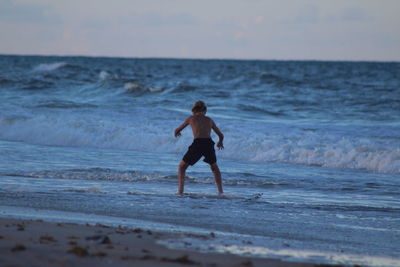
x=205, y=58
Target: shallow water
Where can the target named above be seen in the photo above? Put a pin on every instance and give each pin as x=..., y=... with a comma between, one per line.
x=310, y=170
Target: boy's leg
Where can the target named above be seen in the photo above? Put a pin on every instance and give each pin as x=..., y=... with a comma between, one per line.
x=181, y=176
x=217, y=176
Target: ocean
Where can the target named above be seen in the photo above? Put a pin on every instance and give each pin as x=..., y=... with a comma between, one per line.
x=310, y=169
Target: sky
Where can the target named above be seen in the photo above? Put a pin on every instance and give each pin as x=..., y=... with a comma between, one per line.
x=222, y=29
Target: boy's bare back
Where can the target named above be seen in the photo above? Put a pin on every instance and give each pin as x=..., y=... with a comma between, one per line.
x=201, y=127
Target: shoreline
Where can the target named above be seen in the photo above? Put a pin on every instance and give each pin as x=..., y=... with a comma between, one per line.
x=41, y=243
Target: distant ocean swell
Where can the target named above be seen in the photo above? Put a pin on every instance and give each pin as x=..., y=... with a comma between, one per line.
x=288, y=96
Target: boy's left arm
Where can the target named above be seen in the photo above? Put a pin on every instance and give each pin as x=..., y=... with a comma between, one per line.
x=220, y=143
x=181, y=127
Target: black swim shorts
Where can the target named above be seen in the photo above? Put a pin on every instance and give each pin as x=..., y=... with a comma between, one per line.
x=201, y=147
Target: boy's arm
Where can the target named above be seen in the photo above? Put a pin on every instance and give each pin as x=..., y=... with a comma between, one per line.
x=181, y=127
x=220, y=144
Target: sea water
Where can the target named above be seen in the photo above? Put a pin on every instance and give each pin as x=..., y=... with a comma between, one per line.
x=310, y=169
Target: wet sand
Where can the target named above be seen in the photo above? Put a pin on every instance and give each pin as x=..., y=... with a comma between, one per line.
x=39, y=243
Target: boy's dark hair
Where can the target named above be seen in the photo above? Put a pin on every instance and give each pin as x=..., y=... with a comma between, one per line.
x=199, y=106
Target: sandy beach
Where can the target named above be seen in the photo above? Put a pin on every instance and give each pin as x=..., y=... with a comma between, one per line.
x=40, y=243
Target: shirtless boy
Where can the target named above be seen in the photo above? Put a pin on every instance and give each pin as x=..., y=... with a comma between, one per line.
x=202, y=144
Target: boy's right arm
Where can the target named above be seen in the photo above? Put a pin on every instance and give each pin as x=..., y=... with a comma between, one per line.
x=181, y=127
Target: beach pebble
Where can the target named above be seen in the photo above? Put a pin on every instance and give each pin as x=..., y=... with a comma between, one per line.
x=79, y=251
x=46, y=239
x=183, y=260
x=99, y=254
x=100, y=239
x=18, y=247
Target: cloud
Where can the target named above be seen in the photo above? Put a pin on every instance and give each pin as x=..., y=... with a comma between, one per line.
x=26, y=13
x=259, y=19
x=155, y=19
x=313, y=14
x=307, y=14
x=151, y=20
x=351, y=14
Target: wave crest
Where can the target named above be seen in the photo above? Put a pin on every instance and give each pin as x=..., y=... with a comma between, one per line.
x=320, y=147
x=48, y=67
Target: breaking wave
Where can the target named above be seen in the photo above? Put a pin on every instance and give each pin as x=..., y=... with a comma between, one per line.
x=49, y=67
x=319, y=147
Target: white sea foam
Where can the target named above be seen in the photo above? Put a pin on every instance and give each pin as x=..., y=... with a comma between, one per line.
x=325, y=148
x=130, y=86
x=49, y=67
x=343, y=154
x=91, y=174
x=239, y=246
x=134, y=88
x=93, y=190
x=104, y=75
